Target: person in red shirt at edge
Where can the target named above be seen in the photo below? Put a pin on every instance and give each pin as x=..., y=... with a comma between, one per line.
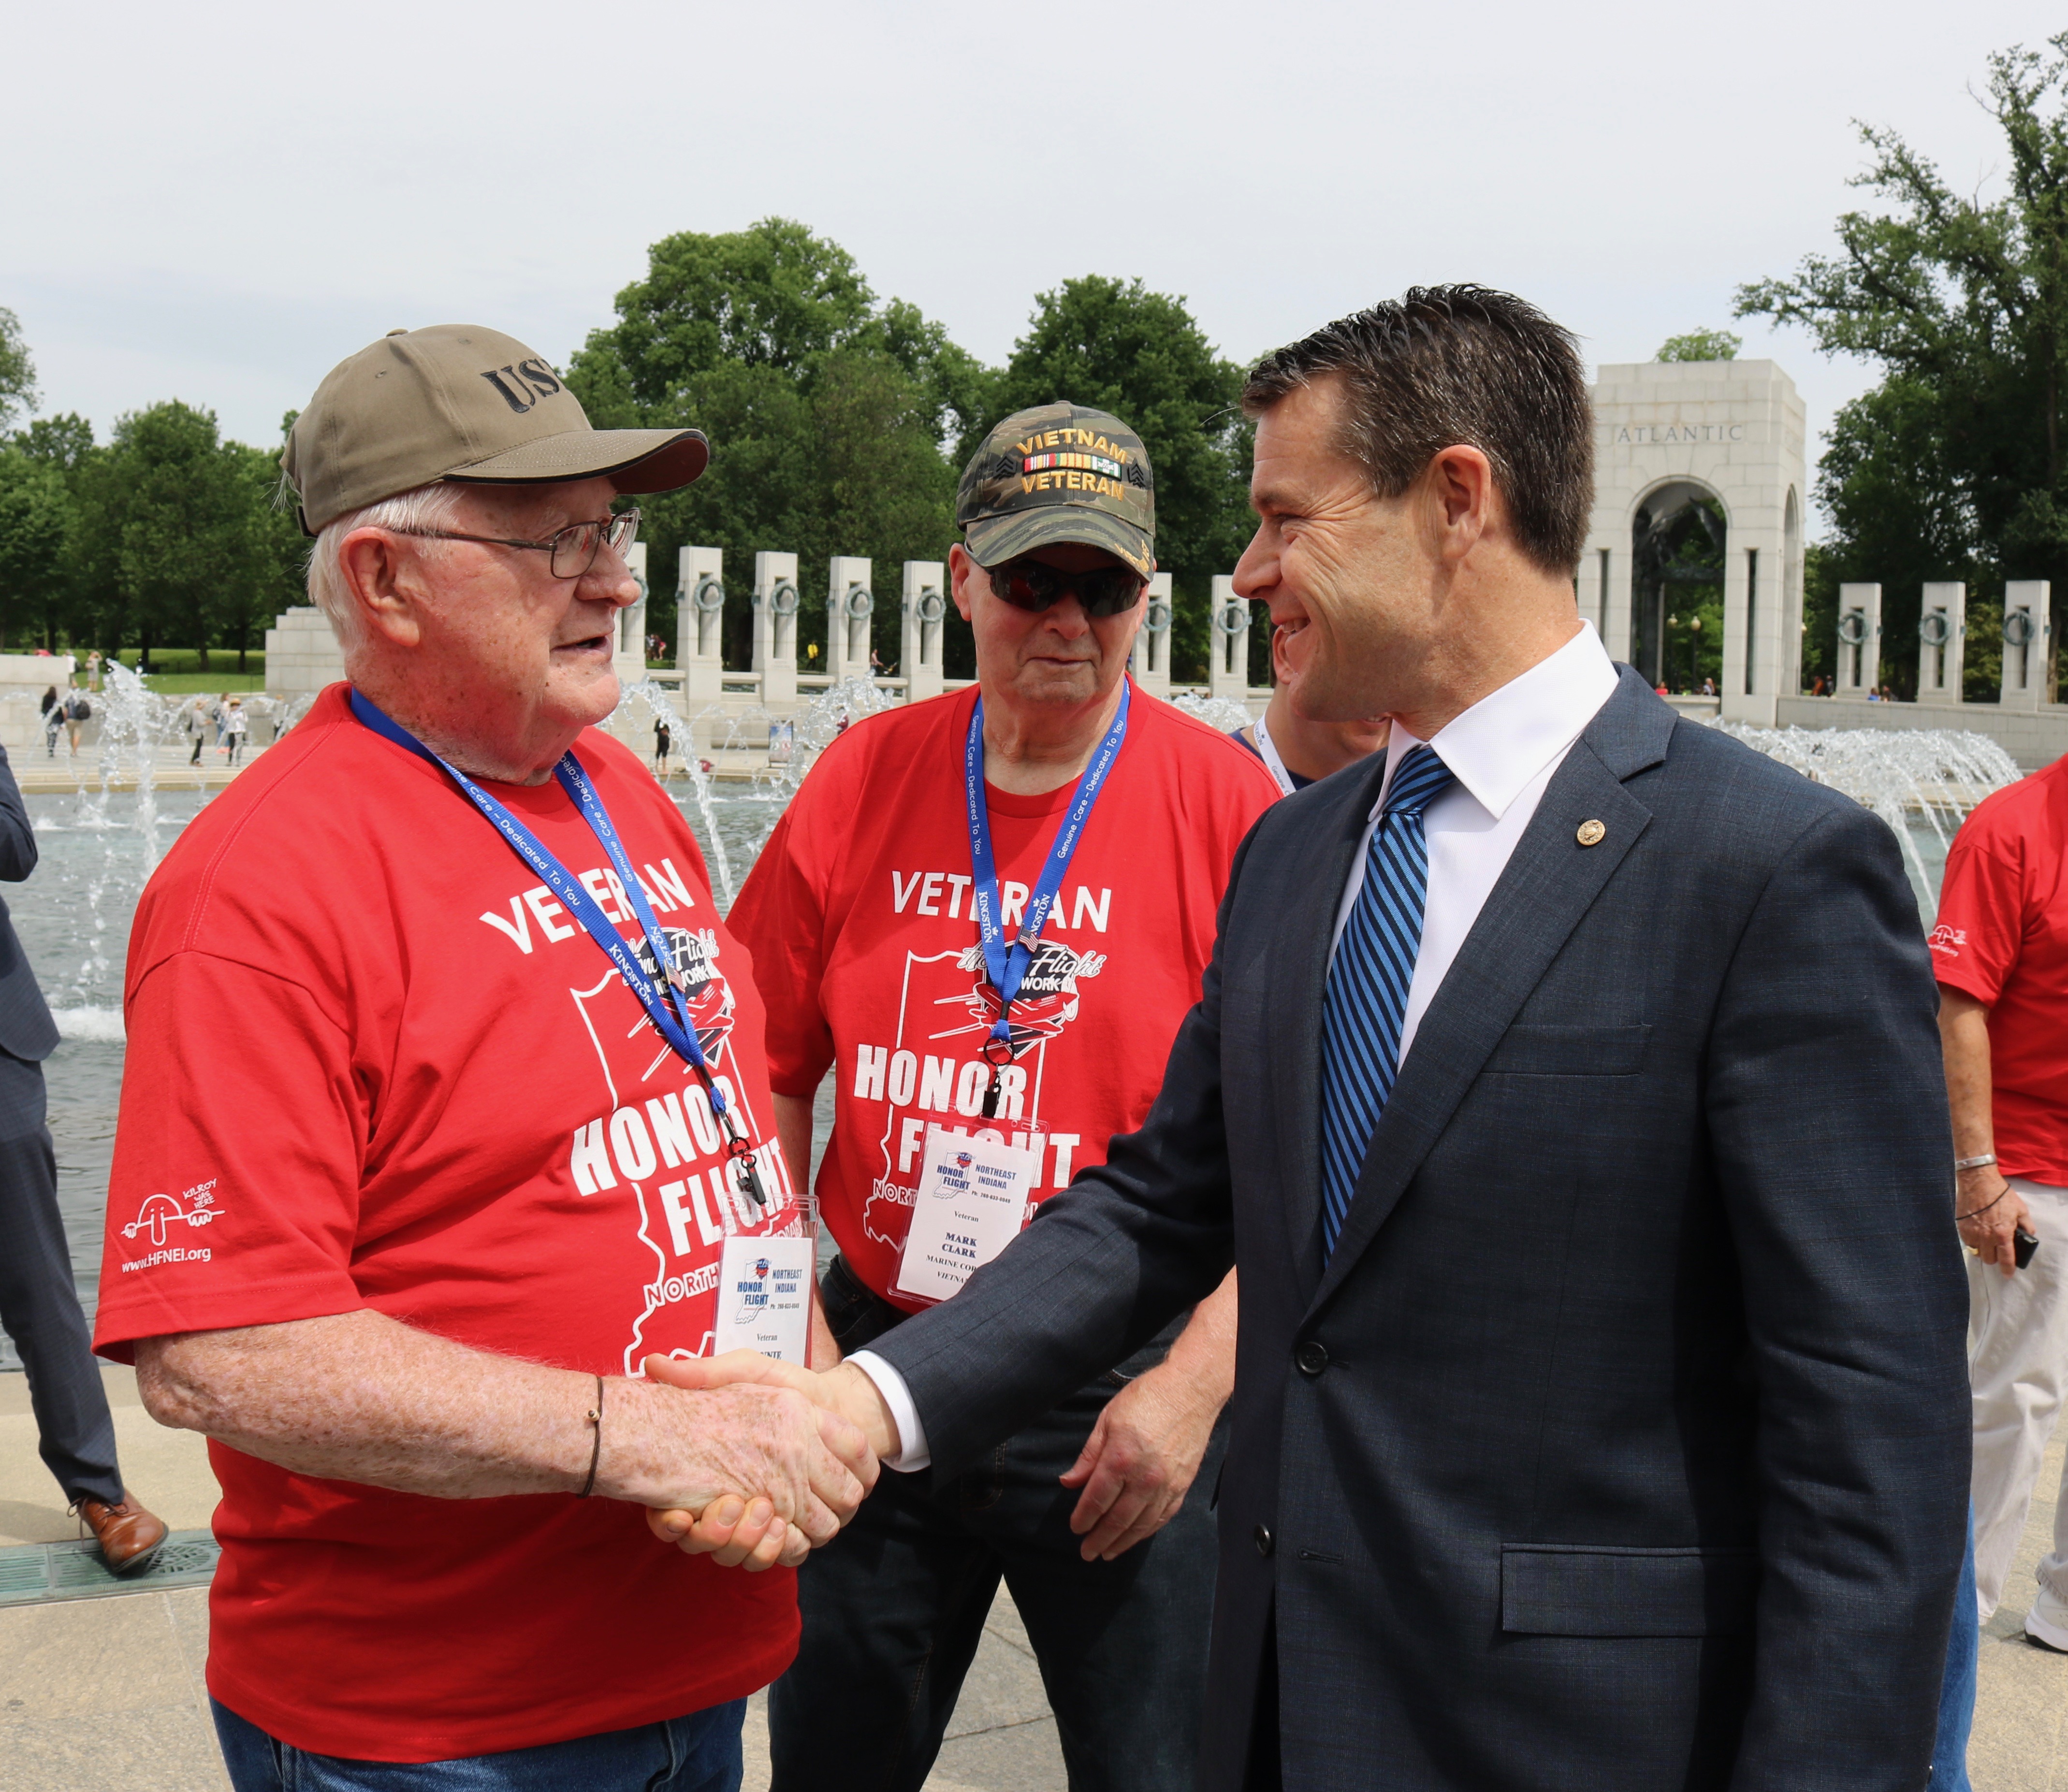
x=2000, y=951
x=403, y=1261
x=860, y=918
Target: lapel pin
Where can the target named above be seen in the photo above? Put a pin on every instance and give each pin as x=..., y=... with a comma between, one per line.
x=1590, y=833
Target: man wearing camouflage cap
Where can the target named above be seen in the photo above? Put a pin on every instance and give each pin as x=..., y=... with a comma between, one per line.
x=1060, y=836
x=503, y=1128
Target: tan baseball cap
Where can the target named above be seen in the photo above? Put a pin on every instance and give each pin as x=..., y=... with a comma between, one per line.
x=1059, y=472
x=459, y=402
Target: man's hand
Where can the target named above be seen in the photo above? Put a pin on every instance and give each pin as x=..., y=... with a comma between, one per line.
x=684, y=1446
x=743, y=1525
x=1140, y=1461
x=1993, y=1212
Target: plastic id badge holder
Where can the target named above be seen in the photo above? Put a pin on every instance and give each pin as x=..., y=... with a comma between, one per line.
x=971, y=1204
x=764, y=1297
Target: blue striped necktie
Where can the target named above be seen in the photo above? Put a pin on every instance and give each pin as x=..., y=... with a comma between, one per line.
x=1367, y=993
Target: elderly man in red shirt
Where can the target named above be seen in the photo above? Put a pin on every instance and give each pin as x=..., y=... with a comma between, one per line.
x=506, y=1137
x=2000, y=952
x=987, y=915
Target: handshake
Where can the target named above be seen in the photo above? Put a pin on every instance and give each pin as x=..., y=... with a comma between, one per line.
x=781, y=1457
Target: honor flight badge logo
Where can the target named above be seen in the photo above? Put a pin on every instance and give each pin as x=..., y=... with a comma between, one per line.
x=1047, y=998
x=707, y=1002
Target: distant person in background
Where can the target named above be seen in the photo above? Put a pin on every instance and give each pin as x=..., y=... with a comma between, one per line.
x=198, y=722
x=1294, y=750
x=93, y=671
x=661, y=741
x=77, y=713
x=53, y=720
x=235, y=725
x=39, y=1309
x=220, y=715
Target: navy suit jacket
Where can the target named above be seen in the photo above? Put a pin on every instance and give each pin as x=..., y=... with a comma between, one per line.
x=27, y=1029
x=1621, y=1442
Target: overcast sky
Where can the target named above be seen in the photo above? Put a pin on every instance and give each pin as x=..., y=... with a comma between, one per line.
x=218, y=201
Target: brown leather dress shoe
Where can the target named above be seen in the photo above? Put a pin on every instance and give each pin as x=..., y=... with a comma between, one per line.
x=128, y=1535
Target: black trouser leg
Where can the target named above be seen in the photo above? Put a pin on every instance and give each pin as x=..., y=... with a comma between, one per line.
x=894, y=1610
x=37, y=1307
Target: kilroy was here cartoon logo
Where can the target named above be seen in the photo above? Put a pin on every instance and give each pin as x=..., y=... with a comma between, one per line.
x=1047, y=998
x=693, y=969
x=160, y=1211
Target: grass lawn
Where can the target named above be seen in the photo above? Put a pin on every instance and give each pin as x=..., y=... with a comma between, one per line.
x=176, y=671
x=183, y=683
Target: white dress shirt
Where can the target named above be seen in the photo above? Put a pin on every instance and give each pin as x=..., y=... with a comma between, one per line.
x=1502, y=753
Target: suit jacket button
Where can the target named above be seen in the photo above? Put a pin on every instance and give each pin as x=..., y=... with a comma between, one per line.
x=1312, y=1356
x=1262, y=1535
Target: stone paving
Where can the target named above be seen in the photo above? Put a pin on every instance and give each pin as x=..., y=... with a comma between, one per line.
x=106, y=1695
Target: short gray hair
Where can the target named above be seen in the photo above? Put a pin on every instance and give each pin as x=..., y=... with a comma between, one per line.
x=432, y=506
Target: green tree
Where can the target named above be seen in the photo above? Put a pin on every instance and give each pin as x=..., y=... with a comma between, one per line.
x=1138, y=353
x=1952, y=468
x=1701, y=345
x=36, y=520
x=269, y=571
x=828, y=413
x=18, y=372
x=177, y=506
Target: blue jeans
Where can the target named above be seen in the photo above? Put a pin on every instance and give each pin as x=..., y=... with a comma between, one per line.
x=893, y=1611
x=697, y=1753
x=1956, y=1695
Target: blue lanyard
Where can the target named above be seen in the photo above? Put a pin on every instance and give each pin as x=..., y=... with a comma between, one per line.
x=660, y=1001
x=1007, y=964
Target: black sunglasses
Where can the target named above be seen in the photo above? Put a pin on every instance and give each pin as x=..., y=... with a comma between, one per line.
x=1027, y=583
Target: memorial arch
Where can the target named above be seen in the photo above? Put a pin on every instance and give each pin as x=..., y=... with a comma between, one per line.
x=1699, y=474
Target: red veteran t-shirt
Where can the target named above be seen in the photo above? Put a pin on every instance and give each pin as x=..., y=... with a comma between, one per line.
x=435, y=1097
x=2002, y=938
x=858, y=917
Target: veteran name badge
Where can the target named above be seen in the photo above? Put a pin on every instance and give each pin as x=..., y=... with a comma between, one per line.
x=970, y=1203
x=764, y=1297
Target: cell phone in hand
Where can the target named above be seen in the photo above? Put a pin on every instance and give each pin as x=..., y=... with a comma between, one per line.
x=2024, y=1246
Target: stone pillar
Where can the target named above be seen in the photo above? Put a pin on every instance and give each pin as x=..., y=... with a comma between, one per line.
x=1228, y=673
x=2027, y=634
x=1151, y=661
x=923, y=616
x=1755, y=667
x=776, y=628
x=700, y=623
x=302, y=654
x=627, y=656
x=849, y=604
x=1859, y=641
x=1942, y=642
x=632, y=621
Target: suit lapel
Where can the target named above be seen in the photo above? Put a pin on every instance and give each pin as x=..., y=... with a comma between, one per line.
x=1549, y=883
x=1303, y=930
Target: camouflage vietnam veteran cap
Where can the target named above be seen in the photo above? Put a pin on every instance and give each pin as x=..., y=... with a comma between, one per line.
x=459, y=402
x=1059, y=472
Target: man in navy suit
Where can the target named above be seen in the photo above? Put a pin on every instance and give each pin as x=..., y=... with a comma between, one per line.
x=38, y=1306
x=1566, y=1089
